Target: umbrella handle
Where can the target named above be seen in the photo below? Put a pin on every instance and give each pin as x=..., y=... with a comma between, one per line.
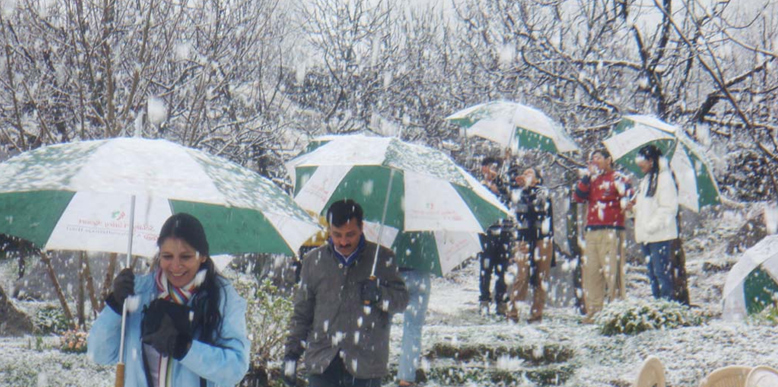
x=119, y=375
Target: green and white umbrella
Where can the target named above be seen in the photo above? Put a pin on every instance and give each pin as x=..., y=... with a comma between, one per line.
x=77, y=196
x=429, y=191
x=422, y=189
x=436, y=252
x=514, y=126
x=752, y=283
x=697, y=187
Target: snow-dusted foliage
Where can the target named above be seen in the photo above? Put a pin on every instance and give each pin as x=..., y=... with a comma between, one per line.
x=633, y=316
x=50, y=319
x=267, y=315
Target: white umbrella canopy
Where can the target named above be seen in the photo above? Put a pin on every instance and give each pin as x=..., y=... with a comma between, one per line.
x=514, y=126
x=436, y=252
x=697, y=187
x=752, y=283
x=77, y=196
x=429, y=192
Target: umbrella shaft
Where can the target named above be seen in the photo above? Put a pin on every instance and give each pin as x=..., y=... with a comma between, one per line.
x=131, y=231
x=383, y=220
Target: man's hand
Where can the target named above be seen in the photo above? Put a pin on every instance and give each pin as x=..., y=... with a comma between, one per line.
x=371, y=292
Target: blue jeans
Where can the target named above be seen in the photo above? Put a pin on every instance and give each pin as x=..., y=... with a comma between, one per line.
x=418, y=285
x=659, y=268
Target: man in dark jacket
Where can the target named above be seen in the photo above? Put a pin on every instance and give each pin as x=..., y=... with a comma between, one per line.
x=342, y=311
x=495, y=242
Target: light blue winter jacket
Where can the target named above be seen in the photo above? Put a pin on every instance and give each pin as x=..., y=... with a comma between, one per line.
x=220, y=366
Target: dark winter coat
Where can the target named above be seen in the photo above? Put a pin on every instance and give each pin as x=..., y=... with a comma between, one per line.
x=502, y=227
x=534, y=213
x=329, y=315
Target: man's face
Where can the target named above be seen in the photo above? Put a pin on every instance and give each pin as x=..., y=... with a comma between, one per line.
x=346, y=237
x=530, y=178
x=489, y=171
x=600, y=161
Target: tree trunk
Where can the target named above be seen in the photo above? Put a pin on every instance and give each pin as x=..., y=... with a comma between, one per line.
x=109, y=273
x=80, y=312
x=90, y=288
x=12, y=321
x=57, y=288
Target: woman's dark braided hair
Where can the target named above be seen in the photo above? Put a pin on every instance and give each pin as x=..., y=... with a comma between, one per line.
x=207, y=299
x=651, y=153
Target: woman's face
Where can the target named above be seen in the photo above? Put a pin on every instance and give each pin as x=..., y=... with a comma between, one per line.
x=530, y=178
x=179, y=261
x=644, y=164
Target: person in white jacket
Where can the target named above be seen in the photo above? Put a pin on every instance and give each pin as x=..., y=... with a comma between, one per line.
x=655, y=207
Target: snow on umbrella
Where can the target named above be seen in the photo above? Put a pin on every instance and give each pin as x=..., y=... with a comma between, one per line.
x=752, y=283
x=697, y=187
x=82, y=196
x=436, y=252
x=513, y=125
x=77, y=196
x=429, y=192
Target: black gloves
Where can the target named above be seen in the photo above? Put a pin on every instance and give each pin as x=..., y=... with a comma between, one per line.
x=290, y=371
x=123, y=287
x=167, y=327
x=371, y=291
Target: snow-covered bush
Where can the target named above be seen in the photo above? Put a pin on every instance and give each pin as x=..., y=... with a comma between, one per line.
x=267, y=316
x=768, y=316
x=633, y=316
x=50, y=319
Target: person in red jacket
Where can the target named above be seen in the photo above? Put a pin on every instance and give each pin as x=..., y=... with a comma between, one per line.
x=607, y=193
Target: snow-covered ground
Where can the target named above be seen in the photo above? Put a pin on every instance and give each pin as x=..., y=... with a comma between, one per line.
x=687, y=353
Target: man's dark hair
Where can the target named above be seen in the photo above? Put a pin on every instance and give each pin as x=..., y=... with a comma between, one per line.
x=342, y=211
x=491, y=160
x=603, y=152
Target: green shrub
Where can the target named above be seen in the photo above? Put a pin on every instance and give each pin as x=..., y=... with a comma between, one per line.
x=267, y=315
x=633, y=316
x=50, y=319
x=768, y=316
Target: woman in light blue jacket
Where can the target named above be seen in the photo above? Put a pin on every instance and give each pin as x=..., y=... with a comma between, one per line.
x=190, y=329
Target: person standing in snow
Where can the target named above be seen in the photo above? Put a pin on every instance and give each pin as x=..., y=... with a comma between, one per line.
x=535, y=243
x=418, y=284
x=606, y=192
x=191, y=330
x=495, y=243
x=655, y=208
x=342, y=314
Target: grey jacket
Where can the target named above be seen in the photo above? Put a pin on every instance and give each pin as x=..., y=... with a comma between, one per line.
x=329, y=315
